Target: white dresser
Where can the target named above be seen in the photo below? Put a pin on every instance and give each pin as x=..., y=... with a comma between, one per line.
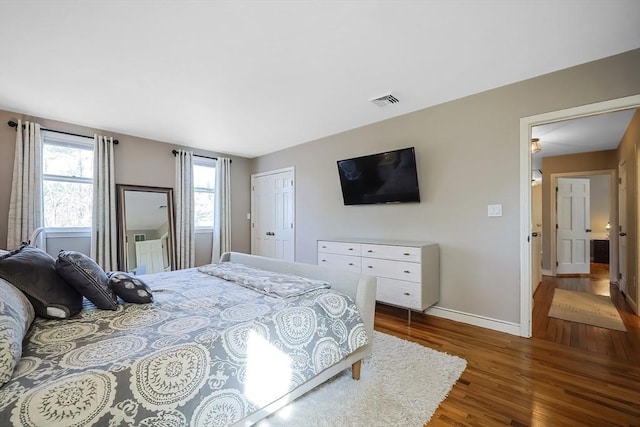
x=408, y=273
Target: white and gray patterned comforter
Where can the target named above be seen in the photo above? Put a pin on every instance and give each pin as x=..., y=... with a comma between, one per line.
x=207, y=352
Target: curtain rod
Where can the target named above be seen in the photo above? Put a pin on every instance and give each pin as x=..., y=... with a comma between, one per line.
x=198, y=155
x=13, y=124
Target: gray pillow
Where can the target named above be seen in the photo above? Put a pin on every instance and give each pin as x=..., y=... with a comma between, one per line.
x=16, y=315
x=87, y=277
x=33, y=271
x=130, y=288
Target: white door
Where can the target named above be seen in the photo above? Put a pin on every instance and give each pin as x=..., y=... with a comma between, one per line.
x=536, y=260
x=536, y=238
x=622, y=227
x=573, y=226
x=149, y=256
x=272, y=213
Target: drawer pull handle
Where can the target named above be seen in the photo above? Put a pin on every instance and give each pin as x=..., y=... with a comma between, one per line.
x=324, y=247
x=407, y=271
x=407, y=293
x=350, y=249
x=350, y=263
x=406, y=254
x=370, y=266
x=324, y=260
x=370, y=251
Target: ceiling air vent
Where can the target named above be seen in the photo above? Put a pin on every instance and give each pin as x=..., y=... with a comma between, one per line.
x=385, y=100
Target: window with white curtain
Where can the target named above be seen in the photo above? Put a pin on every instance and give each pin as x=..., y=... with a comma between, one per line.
x=67, y=187
x=204, y=186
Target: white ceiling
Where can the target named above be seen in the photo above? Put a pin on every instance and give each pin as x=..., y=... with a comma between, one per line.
x=253, y=77
x=581, y=135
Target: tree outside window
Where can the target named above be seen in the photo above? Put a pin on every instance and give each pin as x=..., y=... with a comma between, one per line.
x=204, y=180
x=67, y=187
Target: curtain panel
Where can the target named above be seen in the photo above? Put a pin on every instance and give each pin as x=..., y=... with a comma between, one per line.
x=184, y=206
x=104, y=244
x=222, y=210
x=25, y=206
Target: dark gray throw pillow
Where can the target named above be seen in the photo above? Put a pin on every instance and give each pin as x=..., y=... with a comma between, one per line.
x=33, y=271
x=87, y=277
x=130, y=288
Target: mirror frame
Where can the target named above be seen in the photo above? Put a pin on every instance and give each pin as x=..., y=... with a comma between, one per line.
x=122, y=221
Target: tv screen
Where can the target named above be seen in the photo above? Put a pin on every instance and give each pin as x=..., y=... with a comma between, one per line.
x=389, y=177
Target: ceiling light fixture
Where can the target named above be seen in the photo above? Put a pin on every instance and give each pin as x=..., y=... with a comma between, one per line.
x=536, y=177
x=535, y=145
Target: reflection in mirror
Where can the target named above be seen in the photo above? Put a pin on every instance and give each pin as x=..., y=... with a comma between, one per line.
x=146, y=232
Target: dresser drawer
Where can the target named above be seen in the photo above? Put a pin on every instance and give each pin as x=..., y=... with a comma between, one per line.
x=339, y=248
x=399, y=292
x=340, y=262
x=400, y=270
x=400, y=253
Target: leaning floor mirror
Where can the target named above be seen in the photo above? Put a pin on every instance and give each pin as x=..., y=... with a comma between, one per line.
x=145, y=229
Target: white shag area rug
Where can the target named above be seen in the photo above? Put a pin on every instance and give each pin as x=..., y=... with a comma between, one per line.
x=401, y=384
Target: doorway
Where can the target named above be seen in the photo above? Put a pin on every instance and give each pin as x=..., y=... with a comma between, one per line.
x=526, y=125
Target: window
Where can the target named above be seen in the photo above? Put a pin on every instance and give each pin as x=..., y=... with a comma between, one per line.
x=204, y=184
x=67, y=186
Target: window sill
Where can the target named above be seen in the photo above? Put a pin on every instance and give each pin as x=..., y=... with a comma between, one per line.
x=204, y=230
x=58, y=232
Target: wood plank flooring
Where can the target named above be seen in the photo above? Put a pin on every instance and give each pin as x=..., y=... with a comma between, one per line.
x=623, y=345
x=528, y=382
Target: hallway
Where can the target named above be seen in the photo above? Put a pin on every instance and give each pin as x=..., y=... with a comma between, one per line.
x=623, y=345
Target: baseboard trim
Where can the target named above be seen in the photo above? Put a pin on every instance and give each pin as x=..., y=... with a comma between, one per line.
x=547, y=272
x=475, y=320
x=633, y=305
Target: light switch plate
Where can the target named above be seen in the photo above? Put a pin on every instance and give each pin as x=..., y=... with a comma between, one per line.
x=494, y=210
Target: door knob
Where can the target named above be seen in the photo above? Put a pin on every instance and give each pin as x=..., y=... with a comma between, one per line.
x=622, y=234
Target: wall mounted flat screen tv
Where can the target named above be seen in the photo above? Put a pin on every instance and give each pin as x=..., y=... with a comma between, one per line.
x=389, y=177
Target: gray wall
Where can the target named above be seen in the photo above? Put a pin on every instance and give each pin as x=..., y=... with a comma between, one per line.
x=138, y=161
x=468, y=157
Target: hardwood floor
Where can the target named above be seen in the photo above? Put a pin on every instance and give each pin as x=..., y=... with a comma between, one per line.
x=623, y=345
x=524, y=382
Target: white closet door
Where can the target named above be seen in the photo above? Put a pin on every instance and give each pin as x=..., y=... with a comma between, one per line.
x=272, y=213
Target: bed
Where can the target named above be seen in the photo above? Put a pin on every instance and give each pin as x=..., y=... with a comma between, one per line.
x=206, y=352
